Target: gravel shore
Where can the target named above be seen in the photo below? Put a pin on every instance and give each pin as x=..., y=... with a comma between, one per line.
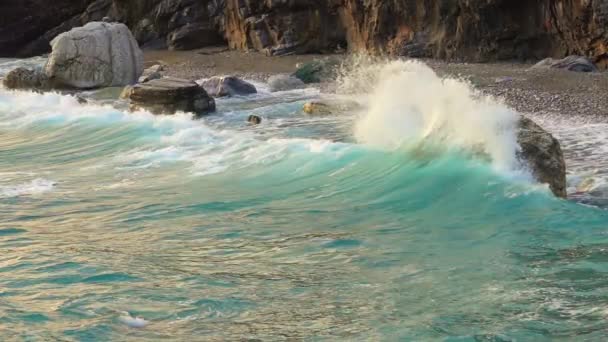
x=551, y=92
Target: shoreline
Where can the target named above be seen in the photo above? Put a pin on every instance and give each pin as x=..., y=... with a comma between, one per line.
x=539, y=92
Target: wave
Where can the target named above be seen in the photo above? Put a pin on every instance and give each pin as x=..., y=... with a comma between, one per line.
x=35, y=187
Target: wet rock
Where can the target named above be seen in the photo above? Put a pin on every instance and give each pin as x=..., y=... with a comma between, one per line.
x=319, y=70
x=96, y=55
x=254, y=119
x=317, y=108
x=542, y=154
x=228, y=86
x=570, y=63
x=169, y=95
x=284, y=82
x=22, y=78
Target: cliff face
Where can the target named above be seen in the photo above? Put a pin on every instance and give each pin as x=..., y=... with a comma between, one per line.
x=474, y=30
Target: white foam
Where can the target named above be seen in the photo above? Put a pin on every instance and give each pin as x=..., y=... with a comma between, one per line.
x=35, y=187
x=407, y=103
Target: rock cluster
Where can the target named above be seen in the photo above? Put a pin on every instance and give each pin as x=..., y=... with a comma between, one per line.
x=220, y=86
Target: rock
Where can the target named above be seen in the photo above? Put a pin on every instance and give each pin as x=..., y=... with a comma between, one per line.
x=152, y=73
x=319, y=70
x=149, y=77
x=228, y=86
x=284, y=82
x=169, y=95
x=317, y=108
x=96, y=55
x=542, y=154
x=22, y=78
x=254, y=119
x=330, y=106
x=570, y=63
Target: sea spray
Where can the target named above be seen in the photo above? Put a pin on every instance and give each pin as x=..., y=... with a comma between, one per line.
x=407, y=104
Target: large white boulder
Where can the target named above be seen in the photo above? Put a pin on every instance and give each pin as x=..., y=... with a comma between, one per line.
x=98, y=54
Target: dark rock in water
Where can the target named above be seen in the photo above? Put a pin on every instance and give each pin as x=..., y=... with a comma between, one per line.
x=284, y=82
x=318, y=70
x=228, y=86
x=542, y=154
x=254, y=119
x=22, y=78
x=571, y=63
x=81, y=99
x=170, y=95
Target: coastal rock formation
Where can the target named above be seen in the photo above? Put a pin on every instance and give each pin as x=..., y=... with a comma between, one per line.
x=570, y=63
x=96, y=55
x=541, y=152
x=227, y=86
x=169, y=95
x=474, y=30
x=283, y=27
x=22, y=78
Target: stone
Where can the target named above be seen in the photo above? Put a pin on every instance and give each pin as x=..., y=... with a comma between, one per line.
x=169, y=95
x=151, y=73
x=149, y=77
x=542, y=155
x=254, y=119
x=96, y=55
x=22, y=78
x=570, y=63
x=220, y=86
x=319, y=70
x=317, y=108
x=284, y=82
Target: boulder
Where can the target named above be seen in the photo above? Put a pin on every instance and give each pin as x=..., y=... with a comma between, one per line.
x=22, y=78
x=227, y=86
x=284, y=82
x=169, y=95
x=542, y=154
x=96, y=55
x=570, y=63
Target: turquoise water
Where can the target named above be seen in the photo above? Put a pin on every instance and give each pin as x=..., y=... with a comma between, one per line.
x=291, y=230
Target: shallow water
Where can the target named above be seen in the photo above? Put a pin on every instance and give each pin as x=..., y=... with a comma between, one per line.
x=295, y=229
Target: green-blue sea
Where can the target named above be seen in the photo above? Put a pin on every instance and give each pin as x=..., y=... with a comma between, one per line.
x=118, y=226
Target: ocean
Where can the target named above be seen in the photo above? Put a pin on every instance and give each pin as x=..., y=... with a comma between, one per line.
x=407, y=218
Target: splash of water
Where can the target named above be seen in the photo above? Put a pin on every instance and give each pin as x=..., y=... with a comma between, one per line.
x=409, y=104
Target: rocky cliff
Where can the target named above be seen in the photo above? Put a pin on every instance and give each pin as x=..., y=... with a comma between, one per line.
x=475, y=30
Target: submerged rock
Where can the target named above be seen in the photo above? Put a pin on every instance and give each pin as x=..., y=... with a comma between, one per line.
x=570, y=63
x=169, y=95
x=22, y=78
x=542, y=154
x=284, y=82
x=220, y=86
x=96, y=55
